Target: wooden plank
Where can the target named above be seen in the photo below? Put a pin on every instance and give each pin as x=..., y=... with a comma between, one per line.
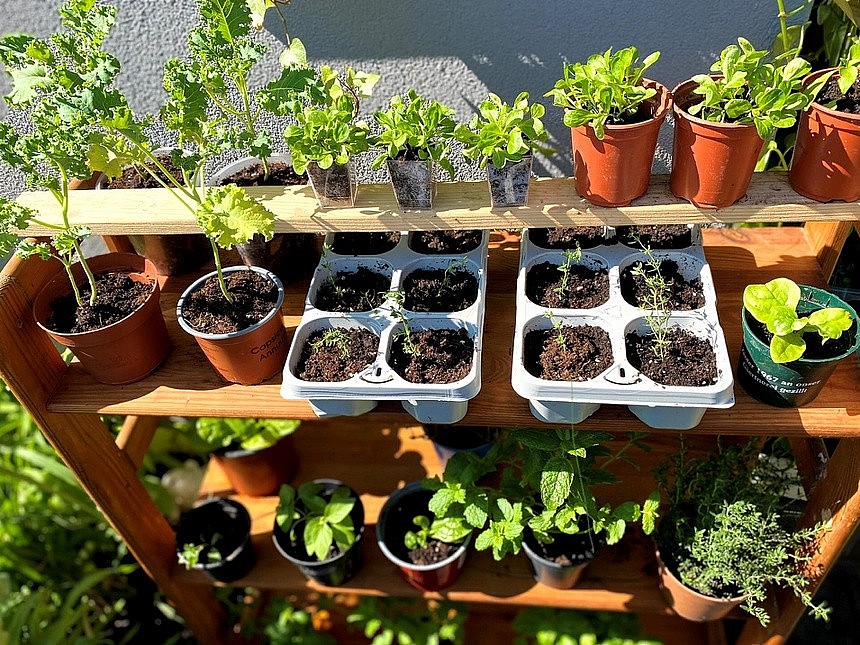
x=552, y=202
x=186, y=384
x=135, y=436
x=119, y=244
x=826, y=240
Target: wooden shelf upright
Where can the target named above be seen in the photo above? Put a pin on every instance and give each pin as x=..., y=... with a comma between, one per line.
x=378, y=451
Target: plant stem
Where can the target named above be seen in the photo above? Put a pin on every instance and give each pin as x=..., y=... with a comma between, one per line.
x=221, y=282
x=68, y=267
x=91, y=278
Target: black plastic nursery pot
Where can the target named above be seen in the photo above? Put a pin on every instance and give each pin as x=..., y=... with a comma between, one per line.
x=395, y=519
x=449, y=440
x=576, y=552
x=222, y=525
x=509, y=185
x=799, y=382
x=337, y=569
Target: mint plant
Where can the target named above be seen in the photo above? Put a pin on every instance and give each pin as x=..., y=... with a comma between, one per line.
x=606, y=89
x=500, y=133
x=324, y=519
x=247, y=434
x=415, y=129
x=752, y=89
x=848, y=66
x=775, y=303
x=194, y=555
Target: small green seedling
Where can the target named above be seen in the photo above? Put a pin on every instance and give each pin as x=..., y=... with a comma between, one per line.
x=334, y=337
x=774, y=304
x=655, y=301
x=571, y=257
x=419, y=538
x=190, y=554
x=326, y=519
x=450, y=270
x=558, y=326
x=325, y=263
x=398, y=312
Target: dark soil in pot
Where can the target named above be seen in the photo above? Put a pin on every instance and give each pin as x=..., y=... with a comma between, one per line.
x=280, y=174
x=566, y=238
x=815, y=348
x=682, y=294
x=656, y=236
x=117, y=296
x=690, y=361
x=585, y=288
x=133, y=177
x=585, y=353
x=364, y=243
x=442, y=356
x=439, y=290
x=326, y=362
x=848, y=102
x=400, y=520
x=360, y=290
x=434, y=552
x=566, y=550
x=208, y=311
x=440, y=242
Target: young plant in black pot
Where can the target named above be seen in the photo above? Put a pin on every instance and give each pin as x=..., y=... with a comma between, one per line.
x=501, y=138
x=728, y=536
x=415, y=133
x=794, y=337
x=318, y=527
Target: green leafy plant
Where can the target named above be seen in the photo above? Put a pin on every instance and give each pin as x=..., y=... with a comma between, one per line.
x=752, y=89
x=246, y=434
x=571, y=257
x=500, y=133
x=847, y=68
x=415, y=129
x=775, y=303
x=606, y=89
x=324, y=519
x=546, y=486
x=285, y=624
x=726, y=531
x=397, y=311
x=333, y=338
x=655, y=300
x=450, y=271
x=408, y=621
x=550, y=626
x=189, y=556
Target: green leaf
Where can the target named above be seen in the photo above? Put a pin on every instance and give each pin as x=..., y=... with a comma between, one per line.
x=484, y=540
x=450, y=529
x=628, y=511
x=650, y=512
x=229, y=216
x=26, y=83
x=555, y=482
x=787, y=348
x=830, y=322
x=338, y=510
x=294, y=56
x=476, y=513
x=318, y=538
x=772, y=301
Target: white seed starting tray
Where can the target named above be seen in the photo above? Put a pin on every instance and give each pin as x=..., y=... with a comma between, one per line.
x=657, y=405
x=428, y=403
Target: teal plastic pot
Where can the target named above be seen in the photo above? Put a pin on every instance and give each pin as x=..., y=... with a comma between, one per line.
x=799, y=382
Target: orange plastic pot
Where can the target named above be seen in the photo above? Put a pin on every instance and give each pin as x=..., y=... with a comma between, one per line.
x=616, y=170
x=259, y=472
x=690, y=604
x=826, y=161
x=125, y=351
x=712, y=163
x=249, y=356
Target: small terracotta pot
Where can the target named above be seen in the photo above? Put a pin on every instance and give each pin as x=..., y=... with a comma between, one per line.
x=690, y=604
x=125, y=351
x=616, y=170
x=259, y=472
x=249, y=356
x=712, y=163
x=826, y=161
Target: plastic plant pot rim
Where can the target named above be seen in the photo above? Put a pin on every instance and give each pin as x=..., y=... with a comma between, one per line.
x=246, y=162
x=243, y=515
x=853, y=119
x=661, y=108
x=276, y=309
x=550, y=564
x=680, y=108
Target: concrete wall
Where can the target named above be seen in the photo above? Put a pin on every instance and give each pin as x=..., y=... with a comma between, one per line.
x=449, y=50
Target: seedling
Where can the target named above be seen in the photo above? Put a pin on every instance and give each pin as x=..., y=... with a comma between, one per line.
x=775, y=305
x=397, y=311
x=333, y=338
x=190, y=554
x=450, y=270
x=655, y=301
x=571, y=257
x=558, y=326
x=325, y=262
x=419, y=538
x=326, y=519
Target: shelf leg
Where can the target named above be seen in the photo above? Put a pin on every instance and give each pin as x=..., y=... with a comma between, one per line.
x=135, y=436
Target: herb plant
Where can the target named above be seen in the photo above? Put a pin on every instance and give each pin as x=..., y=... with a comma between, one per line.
x=571, y=258
x=333, y=338
x=774, y=304
x=655, y=301
x=558, y=326
x=450, y=272
x=752, y=89
x=606, y=89
x=409, y=621
x=398, y=312
x=848, y=66
x=500, y=133
x=415, y=129
x=324, y=520
x=247, y=434
x=551, y=626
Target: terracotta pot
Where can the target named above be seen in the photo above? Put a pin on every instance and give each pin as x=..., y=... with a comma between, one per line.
x=616, y=170
x=249, y=356
x=125, y=351
x=826, y=161
x=259, y=472
x=712, y=163
x=690, y=604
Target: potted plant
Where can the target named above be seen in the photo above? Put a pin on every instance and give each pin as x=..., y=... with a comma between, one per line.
x=726, y=536
x=794, y=336
x=411, y=621
x=286, y=624
x=545, y=504
x=215, y=537
x=257, y=455
x=827, y=149
x=552, y=626
x=326, y=135
x=723, y=120
x=318, y=528
x=501, y=138
x=449, y=440
x=614, y=115
x=415, y=133
x=106, y=309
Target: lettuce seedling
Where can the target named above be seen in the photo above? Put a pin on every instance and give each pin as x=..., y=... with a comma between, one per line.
x=774, y=304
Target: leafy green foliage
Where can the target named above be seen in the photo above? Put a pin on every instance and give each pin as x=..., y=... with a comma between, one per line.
x=286, y=624
x=229, y=216
x=848, y=66
x=571, y=257
x=751, y=89
x=414, y=128
x=727, y=531
x=408, y=621
x=500, y=133
x=325, y=518
x=606, y=89
x=248, y=434
x=189, y=556
x=774, y=304
x=548, y=626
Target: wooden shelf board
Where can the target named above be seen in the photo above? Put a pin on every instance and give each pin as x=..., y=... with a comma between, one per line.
x=552, y=202
x=186, y=385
